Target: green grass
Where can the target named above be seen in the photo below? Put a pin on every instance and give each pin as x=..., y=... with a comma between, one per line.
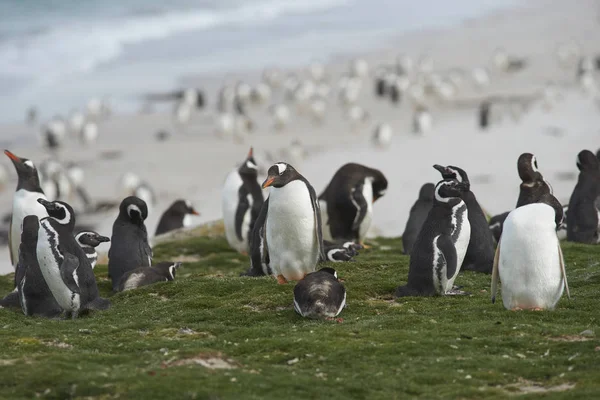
x=444, y=347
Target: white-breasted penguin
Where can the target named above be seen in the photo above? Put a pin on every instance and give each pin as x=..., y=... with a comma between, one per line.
x=242, y=200
x=417, y=216
x=24, y=201
x=144, y=276
x=175, y=217
x=441, y=246
x=320, y=295
x=129, y=247
x=529, y=260
x=89, y=240
x=480, y=253
x=347, y=202
x=64, y=264
x=583, y=214
x=293, y=224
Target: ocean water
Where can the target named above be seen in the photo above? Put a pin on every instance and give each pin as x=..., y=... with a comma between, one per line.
x=56, y=54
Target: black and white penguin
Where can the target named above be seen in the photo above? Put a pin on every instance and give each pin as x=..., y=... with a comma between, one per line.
x=441, y=245
x=129, y=247
x=417, y=216
x=242, y=200
x=583, y=214
x=320, y=295
x=175, y=217
x=143, y=276
x=24, y=201
x=533, y=185
x=89, y=240
x=293, y=224
x=259, y=253
x=480, y=253
x=64, y=264
x=347, y=202
x=340, y=252
x=495, y=225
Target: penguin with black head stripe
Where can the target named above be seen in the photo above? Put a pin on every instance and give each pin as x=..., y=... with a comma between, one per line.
x=533, y=185
x=89, y=240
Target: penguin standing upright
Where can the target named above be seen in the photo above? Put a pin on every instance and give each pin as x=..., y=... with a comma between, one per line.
x=89, y=240
x=259, y=253
x=529, y=260
x=175, y=217
x=320, y=295
x=144, y=276
x=533, y=185
x=293, y=224
x=347, y=202
x=441, y=245
x=480, y=254
x=583, y=214
x=417, y=216
x=24, y=201
x=64, y=265
x=242, y=200
x=129, y=248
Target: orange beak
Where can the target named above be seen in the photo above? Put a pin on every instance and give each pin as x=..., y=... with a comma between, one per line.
x=250, y=153
x=194, y=212
x=268, y=182
x=11, y=156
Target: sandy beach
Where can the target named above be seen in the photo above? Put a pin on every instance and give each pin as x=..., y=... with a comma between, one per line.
x=193, y=162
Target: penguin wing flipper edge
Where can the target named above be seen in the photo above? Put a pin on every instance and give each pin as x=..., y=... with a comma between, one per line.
x=495, y=273
x=68, y=269
x=361, y=205
x=561, y=260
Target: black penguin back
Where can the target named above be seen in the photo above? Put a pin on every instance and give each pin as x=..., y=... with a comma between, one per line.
x=480, y=253
x=582, y=214
x=417, y=216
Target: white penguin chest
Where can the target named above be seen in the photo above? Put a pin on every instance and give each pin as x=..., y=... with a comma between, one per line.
x=367, y=193
x=461, y=231
x=24, y=204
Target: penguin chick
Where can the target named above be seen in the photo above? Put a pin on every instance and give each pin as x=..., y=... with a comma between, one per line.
x=320, y=295
x=89, y=240
x=144, y=276
x=175, y=217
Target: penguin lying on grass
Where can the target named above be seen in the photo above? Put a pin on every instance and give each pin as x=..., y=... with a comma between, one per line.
x=320, y=295
x=143, y=276
x=175, y=217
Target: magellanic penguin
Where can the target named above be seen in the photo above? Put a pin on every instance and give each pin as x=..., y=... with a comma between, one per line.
x=242, y=200
x=129, y=247
x=320, y=295
x=89, y=240
x=495, y=225
x=64, y=264
x=480, y=253
x=529, y=260
x=417, y=216
x=347, y=202
x=175, y=217
x=293, y=224
x=533, y=185
x=441, y=245
x=143, y=276
x=24, y=202
x=583, y=214
x=340, y=252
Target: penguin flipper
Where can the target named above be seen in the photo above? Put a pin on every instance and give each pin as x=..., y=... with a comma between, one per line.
x=10, y=250
x=361, y=205
x=242, y=209
x=68, y=270
x=318, y=222
x=495, y=273
x=447, y=260
x=564, y=272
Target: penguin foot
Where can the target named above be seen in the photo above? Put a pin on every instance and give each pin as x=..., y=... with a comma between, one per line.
x=516, y=309
x=281, y=280
x=365, y=246
x=338, y=320
x=537, y=309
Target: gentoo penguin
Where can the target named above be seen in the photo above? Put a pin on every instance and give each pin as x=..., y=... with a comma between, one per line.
x=259, y=253
x=143, y=276
x=441, y=246
x=480, y=253
x=533, y=185
x=129, y=248
x=34, y=295
x=382, y=136
x=293, y=224
x=242, y=200
x=529, y=260
x=583, y=214
x=64, y=264
x=417, y=216
x=347, y=202
x=320, y=295
x=89, y=240
x=175, y=217
x=495, y=225
x=24, y=201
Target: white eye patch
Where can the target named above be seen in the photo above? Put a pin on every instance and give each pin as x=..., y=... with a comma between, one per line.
x=67, y=218
x=188, y=204
x=251, y=165
x=534, y=164
x=281, y=168
x=131, y=208
x=29, y=163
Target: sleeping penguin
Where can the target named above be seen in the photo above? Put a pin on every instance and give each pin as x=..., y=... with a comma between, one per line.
x=583, y=214
x=320, y=295
x=129, y=248
x=241, y=202
x=143, y=276
x=89, y=240
x=418, y=214
x=347, y=202
x=175, y=217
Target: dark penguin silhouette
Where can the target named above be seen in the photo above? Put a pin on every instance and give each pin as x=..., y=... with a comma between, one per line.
x=480, y=254
x=259, y=253
x=89, y=240
x=418, y=214
x=320, y=295
x=533, y=185
x=347, y=202
x=441, y=245
x=496, y=223
x=484, y=114
x=143, y=276
x=173, y=217
x=129, y=248
x=584, y=205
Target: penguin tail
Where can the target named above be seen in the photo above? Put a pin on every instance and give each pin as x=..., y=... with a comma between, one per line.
x=11, y=300
x=98, y=304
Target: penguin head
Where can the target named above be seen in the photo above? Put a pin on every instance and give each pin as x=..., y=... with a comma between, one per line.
x=279, y=175
x=550, y=200
x=447, y=190
x=167, y=269
x=452, y=172
x=379, y=184
x=27, y=173
x=249, y=167
x=90, y=238
x=31, y=226
x=183, y=207
x=133, y=209
x=426, y=192
x=329, y=270
x=60, y=212
x=528, y=168
x=587, y=161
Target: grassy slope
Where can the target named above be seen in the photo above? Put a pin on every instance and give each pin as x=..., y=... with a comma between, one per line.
x=452, y=347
